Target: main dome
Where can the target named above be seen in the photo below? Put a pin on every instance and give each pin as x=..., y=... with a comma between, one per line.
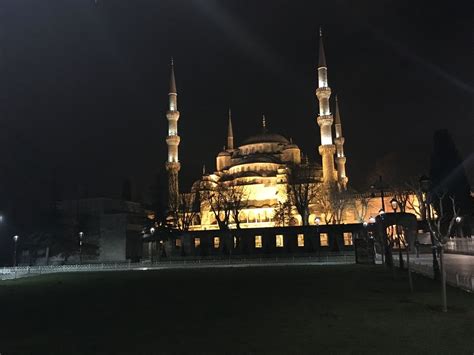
x=266, y=138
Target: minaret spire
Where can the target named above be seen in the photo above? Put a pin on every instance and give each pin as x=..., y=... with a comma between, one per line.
x=340, y=157
x=325, y=119
x=172, y=140
x=172, y=79
x=264, y=124
x=230, y=133
x=322, y=56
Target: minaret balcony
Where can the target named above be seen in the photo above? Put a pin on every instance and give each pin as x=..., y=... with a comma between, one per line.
x=323, y=92
x=325, y=120
x=172, y=115
x=328, y=149
x=173, y=166
x=173, y=140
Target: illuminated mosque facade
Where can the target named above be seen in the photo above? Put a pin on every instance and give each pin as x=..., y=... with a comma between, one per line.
x=261, y=165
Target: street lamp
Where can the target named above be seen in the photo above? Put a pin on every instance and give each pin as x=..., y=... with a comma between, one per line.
x=15, y=240
x=152, y=243
x=81, y=236
x=394, y=204
x=379, y=186
x=458, y=227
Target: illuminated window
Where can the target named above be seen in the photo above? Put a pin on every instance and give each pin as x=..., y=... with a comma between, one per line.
x=178, y=243
x=279, y=240
x=235, y=242
x=323, y=239
x=197, y=242
x=258, y=241
x=216, y=242
x=301, y=240
x=347, y=238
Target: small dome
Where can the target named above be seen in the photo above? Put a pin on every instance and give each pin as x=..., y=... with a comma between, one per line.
x=266, y=138
x=223, y=153
x=291, y=146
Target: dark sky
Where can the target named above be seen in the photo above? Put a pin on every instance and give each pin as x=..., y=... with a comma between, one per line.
x=83, y=87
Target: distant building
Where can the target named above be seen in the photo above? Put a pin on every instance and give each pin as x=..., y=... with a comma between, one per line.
x=109, y=229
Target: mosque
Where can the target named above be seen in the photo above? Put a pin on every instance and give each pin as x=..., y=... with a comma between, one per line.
x=261, y=168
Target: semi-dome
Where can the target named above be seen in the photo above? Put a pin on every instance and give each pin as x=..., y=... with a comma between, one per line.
x=266, y=138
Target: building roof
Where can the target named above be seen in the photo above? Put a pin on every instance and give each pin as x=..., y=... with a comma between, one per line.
x=266, y=137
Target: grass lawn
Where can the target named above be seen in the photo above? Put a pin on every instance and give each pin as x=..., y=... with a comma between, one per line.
x=292, y=310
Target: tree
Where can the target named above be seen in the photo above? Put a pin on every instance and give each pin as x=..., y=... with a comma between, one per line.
x=441, y=228
x=415, y=199
x=282, y=213
x=302, y=190
x=226, y=202
x=188, y=208
x=360, y=204
x=237, y=198
x=331, y=202
x=218, y=202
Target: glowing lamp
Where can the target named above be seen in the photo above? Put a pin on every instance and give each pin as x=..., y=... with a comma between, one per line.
x=394, y=204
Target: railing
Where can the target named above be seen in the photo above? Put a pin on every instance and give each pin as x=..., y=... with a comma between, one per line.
x=328, y=259
x=460, y=246
x=461, y=280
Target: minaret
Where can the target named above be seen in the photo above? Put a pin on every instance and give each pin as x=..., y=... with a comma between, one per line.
x=340, y=157
x=230, y=133
x=172, y=165
x=323, y=92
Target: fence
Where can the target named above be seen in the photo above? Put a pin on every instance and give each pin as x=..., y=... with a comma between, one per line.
x=173, y=263
x=460, y=246
x=457, y=279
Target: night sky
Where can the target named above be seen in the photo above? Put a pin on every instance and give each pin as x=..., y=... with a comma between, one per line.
x=83, y=86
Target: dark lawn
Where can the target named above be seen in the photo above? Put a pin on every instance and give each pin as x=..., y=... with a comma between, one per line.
x=292, y=310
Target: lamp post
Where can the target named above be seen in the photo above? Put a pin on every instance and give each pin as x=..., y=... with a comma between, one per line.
x=425, y=185
x=382, y=249
x=152, y=243
x=15, y=240
x=394, y=204
x=81, y=236
x=379, y=186
x=459, y=233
